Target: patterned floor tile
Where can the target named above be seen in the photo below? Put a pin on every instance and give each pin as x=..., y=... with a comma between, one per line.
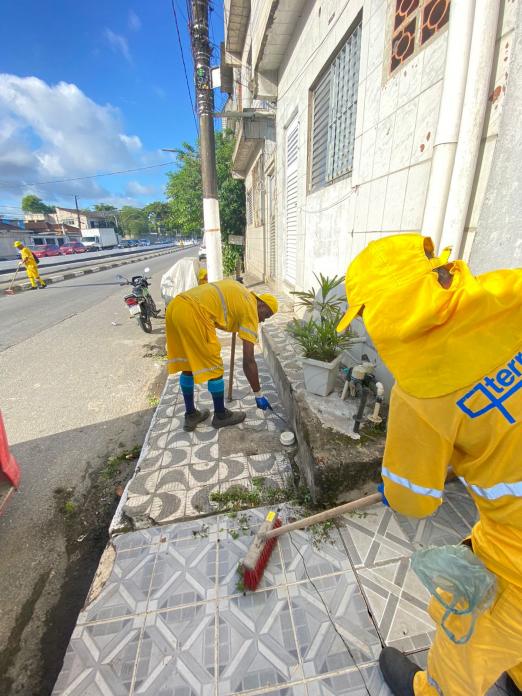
x=332, y=625
x=286, y=690
x=178, y=438
x=176, y=456
x=232, y=468
x=167, y=507
x=205, y=434
x=256, y=642
x=127, y=589
x=150, y=459
x=177, y=653
x=373, y=536
x=397, y=601
x=100, y=659
x=449, y=525
x=305, y=558
x=134, y=540
x=144, y=483
x=184, y=573
x=230, y=554
x=354, y=682
x=263, y=465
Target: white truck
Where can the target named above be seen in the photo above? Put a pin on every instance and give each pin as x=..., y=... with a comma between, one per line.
x=97, y=238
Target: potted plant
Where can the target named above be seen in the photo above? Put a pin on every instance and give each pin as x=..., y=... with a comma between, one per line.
x=322, y=345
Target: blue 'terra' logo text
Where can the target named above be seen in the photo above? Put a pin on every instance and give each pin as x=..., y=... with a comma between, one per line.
x=496, y=390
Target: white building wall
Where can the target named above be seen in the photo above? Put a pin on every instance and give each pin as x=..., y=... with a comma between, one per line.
x=395, y=128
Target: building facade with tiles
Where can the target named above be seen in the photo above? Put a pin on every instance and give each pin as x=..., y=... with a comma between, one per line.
x=339, y=107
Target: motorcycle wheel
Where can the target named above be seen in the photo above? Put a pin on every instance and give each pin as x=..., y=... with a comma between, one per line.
x=144, y=323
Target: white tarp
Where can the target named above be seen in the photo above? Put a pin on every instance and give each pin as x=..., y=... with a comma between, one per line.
x=180, y=277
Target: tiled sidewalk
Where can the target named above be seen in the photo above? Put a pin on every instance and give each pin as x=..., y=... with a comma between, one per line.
x=171, y=621
x=178, y=471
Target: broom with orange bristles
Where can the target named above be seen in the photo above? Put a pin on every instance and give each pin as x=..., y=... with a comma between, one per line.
x=256, y=560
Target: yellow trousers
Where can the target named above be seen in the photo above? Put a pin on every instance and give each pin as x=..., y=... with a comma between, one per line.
x=34, y=275
x=494, y=647
x=192, y=343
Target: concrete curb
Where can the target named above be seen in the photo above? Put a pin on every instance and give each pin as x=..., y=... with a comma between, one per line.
x=51, y=280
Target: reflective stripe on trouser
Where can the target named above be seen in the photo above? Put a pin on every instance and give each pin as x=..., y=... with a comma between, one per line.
x=192, y=344
x=472, y=668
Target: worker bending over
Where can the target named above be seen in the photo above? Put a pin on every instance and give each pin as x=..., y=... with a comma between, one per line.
x=30, y=264
x=453, y=343
x=194, y=350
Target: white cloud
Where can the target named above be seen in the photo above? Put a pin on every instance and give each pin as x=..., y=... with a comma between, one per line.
x=51, y=132
x=134, y=21
x=134, y=188
x=118, y=43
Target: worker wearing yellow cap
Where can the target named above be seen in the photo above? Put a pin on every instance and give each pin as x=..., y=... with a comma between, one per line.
x=31, y=266
x=453, y=344
x=194, y=349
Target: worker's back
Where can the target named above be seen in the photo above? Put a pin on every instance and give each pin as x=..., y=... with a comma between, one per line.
x=478, y=432
x=230, y=305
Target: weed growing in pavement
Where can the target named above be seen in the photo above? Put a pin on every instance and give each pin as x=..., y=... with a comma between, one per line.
x=321, y=533
x=202, y=532
x=69, y=508
x=113, y=465
x=153, y=400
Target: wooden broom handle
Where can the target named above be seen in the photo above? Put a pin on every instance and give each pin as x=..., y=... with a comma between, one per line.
x=231, y=370
x=326, y=515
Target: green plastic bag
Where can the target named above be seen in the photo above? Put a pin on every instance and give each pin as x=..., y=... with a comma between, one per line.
x=456, y=570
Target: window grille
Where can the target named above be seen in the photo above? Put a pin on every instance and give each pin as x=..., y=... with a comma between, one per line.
x=334, y=110
x=413, y=23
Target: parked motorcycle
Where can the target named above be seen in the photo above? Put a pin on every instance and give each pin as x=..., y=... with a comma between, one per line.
x=140, y=303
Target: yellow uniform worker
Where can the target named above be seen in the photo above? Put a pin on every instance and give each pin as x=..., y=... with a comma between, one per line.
x=202, y=276
x=454, y=344
x=31, y=267
x=193, y=347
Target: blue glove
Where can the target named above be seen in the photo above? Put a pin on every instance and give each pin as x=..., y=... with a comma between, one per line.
x=263, y=403
x=380, y=488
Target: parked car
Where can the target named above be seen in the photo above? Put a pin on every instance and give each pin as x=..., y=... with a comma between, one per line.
x=46, y=250
x=144, y=242
x=125, y=244
x=73, y=248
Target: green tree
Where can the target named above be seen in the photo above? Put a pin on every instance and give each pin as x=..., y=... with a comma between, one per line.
x=185, y=191
x=102, y=207
x=33, y=204
x=159, y=215
x=133, y=222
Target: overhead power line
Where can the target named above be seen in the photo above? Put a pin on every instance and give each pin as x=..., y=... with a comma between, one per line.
x=89, y=176
x=184, y=67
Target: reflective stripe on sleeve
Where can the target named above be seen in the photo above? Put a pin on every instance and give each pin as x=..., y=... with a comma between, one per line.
x=499, y=490
x=223, y=303
x=401, y=481
x=173, y=360
x=248, y=331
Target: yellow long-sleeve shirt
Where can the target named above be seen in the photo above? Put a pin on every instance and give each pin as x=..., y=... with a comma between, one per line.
x=478, y=432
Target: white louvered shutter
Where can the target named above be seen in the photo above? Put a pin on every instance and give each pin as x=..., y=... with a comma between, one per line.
x=292, y=152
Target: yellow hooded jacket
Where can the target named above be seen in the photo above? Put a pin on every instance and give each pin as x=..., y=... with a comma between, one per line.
x=456, y=354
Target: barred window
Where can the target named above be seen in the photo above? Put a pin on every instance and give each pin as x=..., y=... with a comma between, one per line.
x=249, y=207
x=334, y=110
x=414, y=22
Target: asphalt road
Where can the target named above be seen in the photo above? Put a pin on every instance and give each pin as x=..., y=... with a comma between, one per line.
x=77, y=259
x=74, y=386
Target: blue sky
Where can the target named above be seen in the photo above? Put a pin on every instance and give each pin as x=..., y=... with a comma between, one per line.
x=88, y=88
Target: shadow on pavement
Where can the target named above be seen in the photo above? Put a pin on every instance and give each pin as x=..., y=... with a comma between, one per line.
x=52, y=534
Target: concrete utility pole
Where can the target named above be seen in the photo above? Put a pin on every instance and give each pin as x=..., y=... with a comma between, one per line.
x=205, y=107
x=77, y=211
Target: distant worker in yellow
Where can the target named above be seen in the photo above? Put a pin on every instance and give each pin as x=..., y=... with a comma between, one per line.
x=454, y=345
x=193, y=348
x=31, y=265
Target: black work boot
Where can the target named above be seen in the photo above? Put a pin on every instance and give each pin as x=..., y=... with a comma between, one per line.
x=226, y=417
x=511, y=688
x=398, y=671
x=192, y=419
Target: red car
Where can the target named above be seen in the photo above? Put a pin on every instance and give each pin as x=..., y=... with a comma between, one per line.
x=73, y=248
x=46, y=250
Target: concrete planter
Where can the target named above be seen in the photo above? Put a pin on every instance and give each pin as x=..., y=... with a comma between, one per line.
x=319, y=376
